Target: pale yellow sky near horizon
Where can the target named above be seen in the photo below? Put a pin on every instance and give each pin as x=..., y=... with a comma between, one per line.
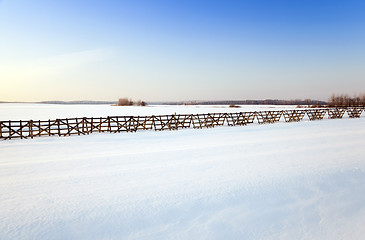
x=65, y=50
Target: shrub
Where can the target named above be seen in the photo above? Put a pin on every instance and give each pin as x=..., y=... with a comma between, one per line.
x=141, y=103
x=125, y=102
x=233, y=106
x=129, y=102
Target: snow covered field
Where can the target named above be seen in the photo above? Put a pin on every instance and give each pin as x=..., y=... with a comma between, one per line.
x=301, y=180
x=13, y=111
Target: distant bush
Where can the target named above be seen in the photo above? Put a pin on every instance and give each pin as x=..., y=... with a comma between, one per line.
x=233, y=106
x=141, y=103
x=129, y=102
x=125, y=102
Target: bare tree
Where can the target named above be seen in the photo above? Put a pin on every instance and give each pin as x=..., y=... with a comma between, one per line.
x=129, y=102
x=125, y=102
x=346, y=101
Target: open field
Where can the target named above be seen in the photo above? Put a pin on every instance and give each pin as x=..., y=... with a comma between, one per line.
x=283, y=181
x=14, y=111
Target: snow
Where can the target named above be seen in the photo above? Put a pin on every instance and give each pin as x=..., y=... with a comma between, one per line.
x=13, y=111
x=301, y=180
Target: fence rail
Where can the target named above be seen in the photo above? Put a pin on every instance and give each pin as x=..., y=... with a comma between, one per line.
x=115, y=124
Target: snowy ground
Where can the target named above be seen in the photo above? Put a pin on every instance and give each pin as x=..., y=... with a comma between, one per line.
x=15, y=111
x=301, y=180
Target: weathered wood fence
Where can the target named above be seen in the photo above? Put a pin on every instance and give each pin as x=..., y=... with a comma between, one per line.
x=115, y=124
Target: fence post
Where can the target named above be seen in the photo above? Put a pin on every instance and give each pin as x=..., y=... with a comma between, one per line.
x=92, y=125
x=49, y=127
x=109, y=127
x=10, y=132
x=1, y=129
x=58, y=127
x=68, y=127
x=20, y=131
x=30, y=128
x=77, y=127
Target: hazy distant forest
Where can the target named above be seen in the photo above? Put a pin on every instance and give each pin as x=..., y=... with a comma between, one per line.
x=336, y=100
x=346, y=101
x=339, y=100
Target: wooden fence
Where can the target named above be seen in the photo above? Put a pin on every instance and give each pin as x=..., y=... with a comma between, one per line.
x=115, y=124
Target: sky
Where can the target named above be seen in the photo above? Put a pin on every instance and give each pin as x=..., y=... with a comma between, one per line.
x=181, y=50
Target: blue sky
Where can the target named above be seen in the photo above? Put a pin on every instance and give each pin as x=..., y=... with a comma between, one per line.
x=180, y=50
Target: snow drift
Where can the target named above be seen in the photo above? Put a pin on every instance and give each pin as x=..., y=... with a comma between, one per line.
x=284, y=181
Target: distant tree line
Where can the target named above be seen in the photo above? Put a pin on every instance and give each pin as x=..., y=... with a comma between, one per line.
x=252, y=102
x=343, y=100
